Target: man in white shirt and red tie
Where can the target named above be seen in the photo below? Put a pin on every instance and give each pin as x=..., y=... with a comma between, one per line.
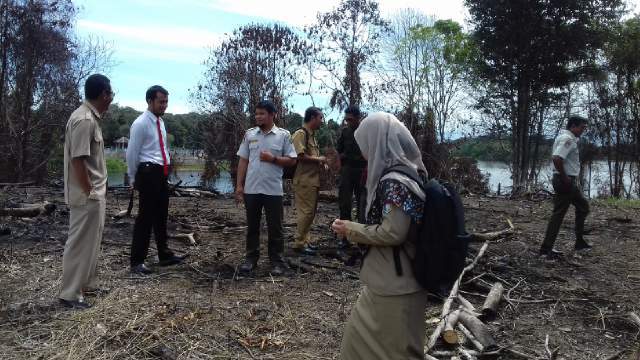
x=148, y=167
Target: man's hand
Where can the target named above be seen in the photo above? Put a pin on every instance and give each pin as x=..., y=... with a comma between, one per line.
x=239, y=194
x=340, y=228
x=266, y=156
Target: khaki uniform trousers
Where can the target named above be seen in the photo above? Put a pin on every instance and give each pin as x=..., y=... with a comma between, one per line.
x=306, y=200
x=86, y=223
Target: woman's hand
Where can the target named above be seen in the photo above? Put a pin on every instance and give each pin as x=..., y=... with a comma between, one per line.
x=340, y=228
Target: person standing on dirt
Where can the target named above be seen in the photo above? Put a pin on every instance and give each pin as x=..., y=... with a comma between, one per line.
x=352, y=166
x=148, y=167
x=85, y=189
x=566, y=162
x=306, y=180
x=387, y=321
x=264, y=151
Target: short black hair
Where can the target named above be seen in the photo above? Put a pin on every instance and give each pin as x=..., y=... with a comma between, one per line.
x=95, y=85
x=153, y=91
x=353, y=110
x=311, y=112
x=576, y=120
x=266, y=105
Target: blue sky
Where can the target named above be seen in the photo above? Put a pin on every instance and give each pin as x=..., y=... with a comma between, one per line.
x=165, y=41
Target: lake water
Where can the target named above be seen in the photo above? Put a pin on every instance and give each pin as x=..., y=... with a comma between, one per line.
x=499, y=176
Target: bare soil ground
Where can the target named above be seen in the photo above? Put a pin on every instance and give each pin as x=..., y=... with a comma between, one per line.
x=202, y=310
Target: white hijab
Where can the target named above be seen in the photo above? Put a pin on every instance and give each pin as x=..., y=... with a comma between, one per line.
x=386, y=142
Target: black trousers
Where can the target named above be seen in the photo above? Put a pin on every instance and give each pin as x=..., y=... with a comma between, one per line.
x=152, y=213
x=272, y=205
x=350, y=186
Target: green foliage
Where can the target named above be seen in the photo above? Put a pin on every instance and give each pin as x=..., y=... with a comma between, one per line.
x=485, y=149
x=618, y=202
x=116, y=166
x=183, y=129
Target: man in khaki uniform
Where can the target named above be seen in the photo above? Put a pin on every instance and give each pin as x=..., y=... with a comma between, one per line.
x=306, y=181
x=85, y=188
x=566, y=186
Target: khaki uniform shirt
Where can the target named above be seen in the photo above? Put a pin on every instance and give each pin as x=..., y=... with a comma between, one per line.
x=264, y=177
x=307, y=173
x=566, y=147
x=83, y=139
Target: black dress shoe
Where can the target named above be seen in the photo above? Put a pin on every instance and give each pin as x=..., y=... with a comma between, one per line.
x=278, y=268
x=141, y=269
x=248, y=265
x=582, y=246
x=75, y=304
x=551, y=254
x=172, y=260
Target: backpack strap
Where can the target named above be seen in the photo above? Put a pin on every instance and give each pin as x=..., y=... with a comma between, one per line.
x=396, y=260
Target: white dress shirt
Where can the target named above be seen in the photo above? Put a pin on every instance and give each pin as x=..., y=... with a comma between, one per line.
x=144, y=144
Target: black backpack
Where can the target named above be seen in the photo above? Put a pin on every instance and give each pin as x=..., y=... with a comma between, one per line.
x=441, y=240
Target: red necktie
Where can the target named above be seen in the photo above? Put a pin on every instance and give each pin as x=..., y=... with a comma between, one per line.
x=165, y=167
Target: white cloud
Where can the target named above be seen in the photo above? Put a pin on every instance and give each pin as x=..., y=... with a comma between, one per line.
x=299, y=13
x=173, y=37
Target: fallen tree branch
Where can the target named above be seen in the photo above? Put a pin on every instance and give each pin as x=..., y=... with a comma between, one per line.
x=483, y=237
x=188, y=238
x=29, y=210
x=479, y=331
x=635, y=319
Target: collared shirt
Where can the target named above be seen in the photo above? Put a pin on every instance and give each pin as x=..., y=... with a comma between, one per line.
x=348, y=148
x=144, y=143
x=307, y=173
x=83, y=139
x=566, y=147
x=264, y=177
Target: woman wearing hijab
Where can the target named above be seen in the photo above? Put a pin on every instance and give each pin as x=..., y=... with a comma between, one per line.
x=387, y=321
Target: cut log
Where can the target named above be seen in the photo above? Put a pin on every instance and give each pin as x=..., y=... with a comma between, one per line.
x=449, y=335
x=635, y=319
x=490, y=307
x=479, y=331
x=29, y=210
x=188, y=238
x=470, y=338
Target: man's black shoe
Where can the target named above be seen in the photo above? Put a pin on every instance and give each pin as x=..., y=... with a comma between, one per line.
x=75, y=304
x=247, y=266
x=551, y=254
x=172, y=260
x=278, y=268
x=582, y=245
x=141, y=269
